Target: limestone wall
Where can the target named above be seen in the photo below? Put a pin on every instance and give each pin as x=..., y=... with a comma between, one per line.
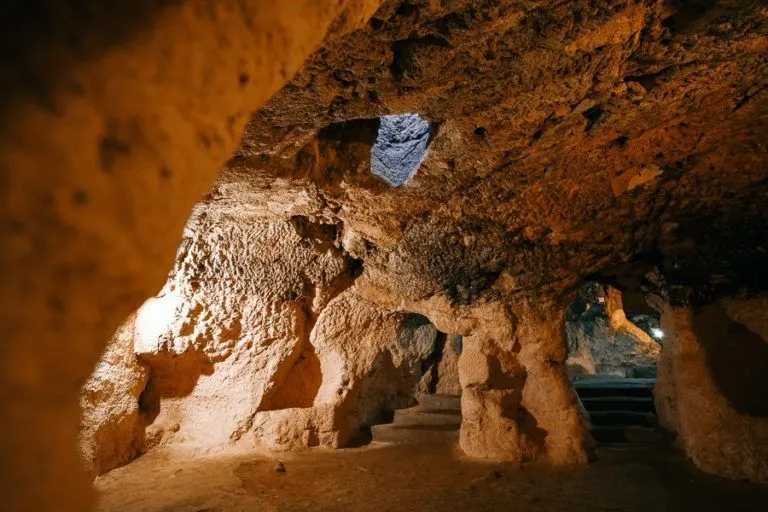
x=257, y=337
x=117, y=118
x=711, y=389
x=563, y=139
x=112, y=423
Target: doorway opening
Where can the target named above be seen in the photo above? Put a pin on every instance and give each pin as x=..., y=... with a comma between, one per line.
x=434, y=415
x=614, y=344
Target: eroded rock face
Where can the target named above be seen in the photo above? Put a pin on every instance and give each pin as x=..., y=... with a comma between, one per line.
x=566, y=138
x=517, y=402
x=584, y=140
x=244, y=296
x=115, y=122
x=112, y=424
x=711, y=388
x=258, y=337
x=441, y=372
x=370, y=362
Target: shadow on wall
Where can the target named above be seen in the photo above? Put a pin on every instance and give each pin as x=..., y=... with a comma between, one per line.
x=535, y=437
x=509, y=376
x=378, y=392
x=430, y=366
x=170, y=376
x=299, y=386
x=737, y=358
x=400, y=368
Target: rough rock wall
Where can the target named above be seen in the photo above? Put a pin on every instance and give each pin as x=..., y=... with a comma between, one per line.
x=244, y=296
x=112, y=424
x=254, y=339
x=596, y=349
x=589, y=134
x=448, y=382
x=517, y=402
x=711, y=388
x=441, y=369
x=370, y=361
x=584, y=140
x=115, y=121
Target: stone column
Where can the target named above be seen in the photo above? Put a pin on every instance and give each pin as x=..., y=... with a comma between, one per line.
x=517, y=402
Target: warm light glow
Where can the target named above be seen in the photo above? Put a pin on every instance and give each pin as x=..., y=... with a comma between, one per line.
x=657, y=333
x=153, y=319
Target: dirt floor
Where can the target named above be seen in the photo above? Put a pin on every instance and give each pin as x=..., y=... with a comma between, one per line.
x=417, y=477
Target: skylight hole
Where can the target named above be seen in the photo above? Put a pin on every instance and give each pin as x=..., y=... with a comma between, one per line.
x=400, y=147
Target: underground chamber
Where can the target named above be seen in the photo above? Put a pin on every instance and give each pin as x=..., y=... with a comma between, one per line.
x=271, y=255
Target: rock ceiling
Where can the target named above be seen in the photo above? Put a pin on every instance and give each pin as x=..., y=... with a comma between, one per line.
x=567, y=137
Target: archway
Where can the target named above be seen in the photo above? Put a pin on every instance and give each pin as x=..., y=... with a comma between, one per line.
x=614, y=346
x=434, y=416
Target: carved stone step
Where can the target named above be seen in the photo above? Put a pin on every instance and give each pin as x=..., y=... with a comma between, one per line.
x=633, y=434
x=391, y=433
x=618, y=403
x=420, y=416
x=622, y=418
x=614, y=387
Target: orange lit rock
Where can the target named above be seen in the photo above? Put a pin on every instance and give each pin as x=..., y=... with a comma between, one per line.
x=518, y=403
x=710, y=392
x=112, y=424
x=254, y=339
x=118, y=119
x=369, y=363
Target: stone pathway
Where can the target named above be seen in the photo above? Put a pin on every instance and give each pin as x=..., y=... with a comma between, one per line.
x=417, y=476
x=621, y=410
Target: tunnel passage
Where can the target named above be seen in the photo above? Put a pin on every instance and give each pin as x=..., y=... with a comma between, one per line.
x=433, y=413
x=613, y=351
x=607, y=337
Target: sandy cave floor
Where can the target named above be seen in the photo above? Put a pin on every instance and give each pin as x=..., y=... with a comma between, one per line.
x=417, y=477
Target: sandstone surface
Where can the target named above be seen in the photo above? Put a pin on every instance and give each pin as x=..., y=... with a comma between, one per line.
x=566, y=141
x=720, y=415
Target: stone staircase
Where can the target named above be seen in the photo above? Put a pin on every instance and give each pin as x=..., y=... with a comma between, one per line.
x=436, y=419
x=621, y=410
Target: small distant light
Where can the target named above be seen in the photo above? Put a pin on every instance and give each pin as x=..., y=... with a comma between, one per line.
x=657, y=333
x=601, y=300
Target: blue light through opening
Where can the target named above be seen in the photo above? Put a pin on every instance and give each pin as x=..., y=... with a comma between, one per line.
x=400, y=147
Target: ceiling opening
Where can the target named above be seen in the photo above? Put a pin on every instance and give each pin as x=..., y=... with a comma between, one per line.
x=400, y=147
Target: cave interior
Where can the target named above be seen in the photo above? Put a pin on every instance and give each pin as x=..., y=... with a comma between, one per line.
x=319, y=246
